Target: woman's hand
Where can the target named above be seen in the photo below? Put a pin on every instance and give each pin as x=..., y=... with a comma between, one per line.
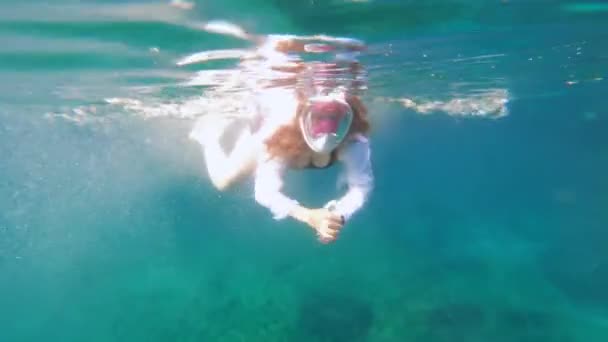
x=326, y=223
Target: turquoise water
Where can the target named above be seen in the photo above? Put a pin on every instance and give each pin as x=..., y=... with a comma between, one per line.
x=485, y=227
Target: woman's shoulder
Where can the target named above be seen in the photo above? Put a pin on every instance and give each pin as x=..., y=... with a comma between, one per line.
x=357, y=138
x=354, y=146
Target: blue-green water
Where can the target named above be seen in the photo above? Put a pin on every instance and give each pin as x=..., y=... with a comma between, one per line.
x=480, y=228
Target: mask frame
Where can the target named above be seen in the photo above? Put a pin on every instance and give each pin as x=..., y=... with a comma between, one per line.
x=326, y=142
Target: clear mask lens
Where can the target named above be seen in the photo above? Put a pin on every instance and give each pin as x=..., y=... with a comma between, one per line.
x=326, y=123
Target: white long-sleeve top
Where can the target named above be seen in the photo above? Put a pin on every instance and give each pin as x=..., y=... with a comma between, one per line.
x=275, y=106
x=358, y=176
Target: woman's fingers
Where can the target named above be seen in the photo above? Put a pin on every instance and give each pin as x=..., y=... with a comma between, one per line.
x=325, y=240
x=335, y=226
x=334, y=221
x=333, y=217
x=324, y=237
x=330, y=232
x=330, y=228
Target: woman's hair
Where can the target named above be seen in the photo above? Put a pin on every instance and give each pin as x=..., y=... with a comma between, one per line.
x=288, y=143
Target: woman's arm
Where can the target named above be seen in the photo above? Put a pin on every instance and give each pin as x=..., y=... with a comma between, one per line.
x=280, y=46
x=268, y=184
x=359, y=177
x=292, y=43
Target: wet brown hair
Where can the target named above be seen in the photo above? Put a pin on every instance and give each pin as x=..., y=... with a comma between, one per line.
x=287, y=142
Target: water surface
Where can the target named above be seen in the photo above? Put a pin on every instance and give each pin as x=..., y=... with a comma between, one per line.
x=490, y=148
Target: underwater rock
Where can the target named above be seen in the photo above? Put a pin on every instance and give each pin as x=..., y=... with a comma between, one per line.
x=531, y=325
x=525, y=320
x=579, y=271
x=456, y=316
x=455, y=322
x=333, y=318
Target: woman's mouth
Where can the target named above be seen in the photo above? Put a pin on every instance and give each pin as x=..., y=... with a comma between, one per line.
x=325, y=125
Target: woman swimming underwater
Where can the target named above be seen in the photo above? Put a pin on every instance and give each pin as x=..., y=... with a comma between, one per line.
x=306, y=117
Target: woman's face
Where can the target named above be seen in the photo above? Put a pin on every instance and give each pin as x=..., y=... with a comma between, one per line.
x=326, y=117
x=325, y=123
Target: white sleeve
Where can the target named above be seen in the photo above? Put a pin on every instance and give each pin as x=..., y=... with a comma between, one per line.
x=268, y=184
x=359, y=177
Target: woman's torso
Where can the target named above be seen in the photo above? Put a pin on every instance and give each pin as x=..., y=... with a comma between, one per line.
x=312, y=160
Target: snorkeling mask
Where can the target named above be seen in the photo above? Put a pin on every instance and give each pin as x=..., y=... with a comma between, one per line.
x=326, y=122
